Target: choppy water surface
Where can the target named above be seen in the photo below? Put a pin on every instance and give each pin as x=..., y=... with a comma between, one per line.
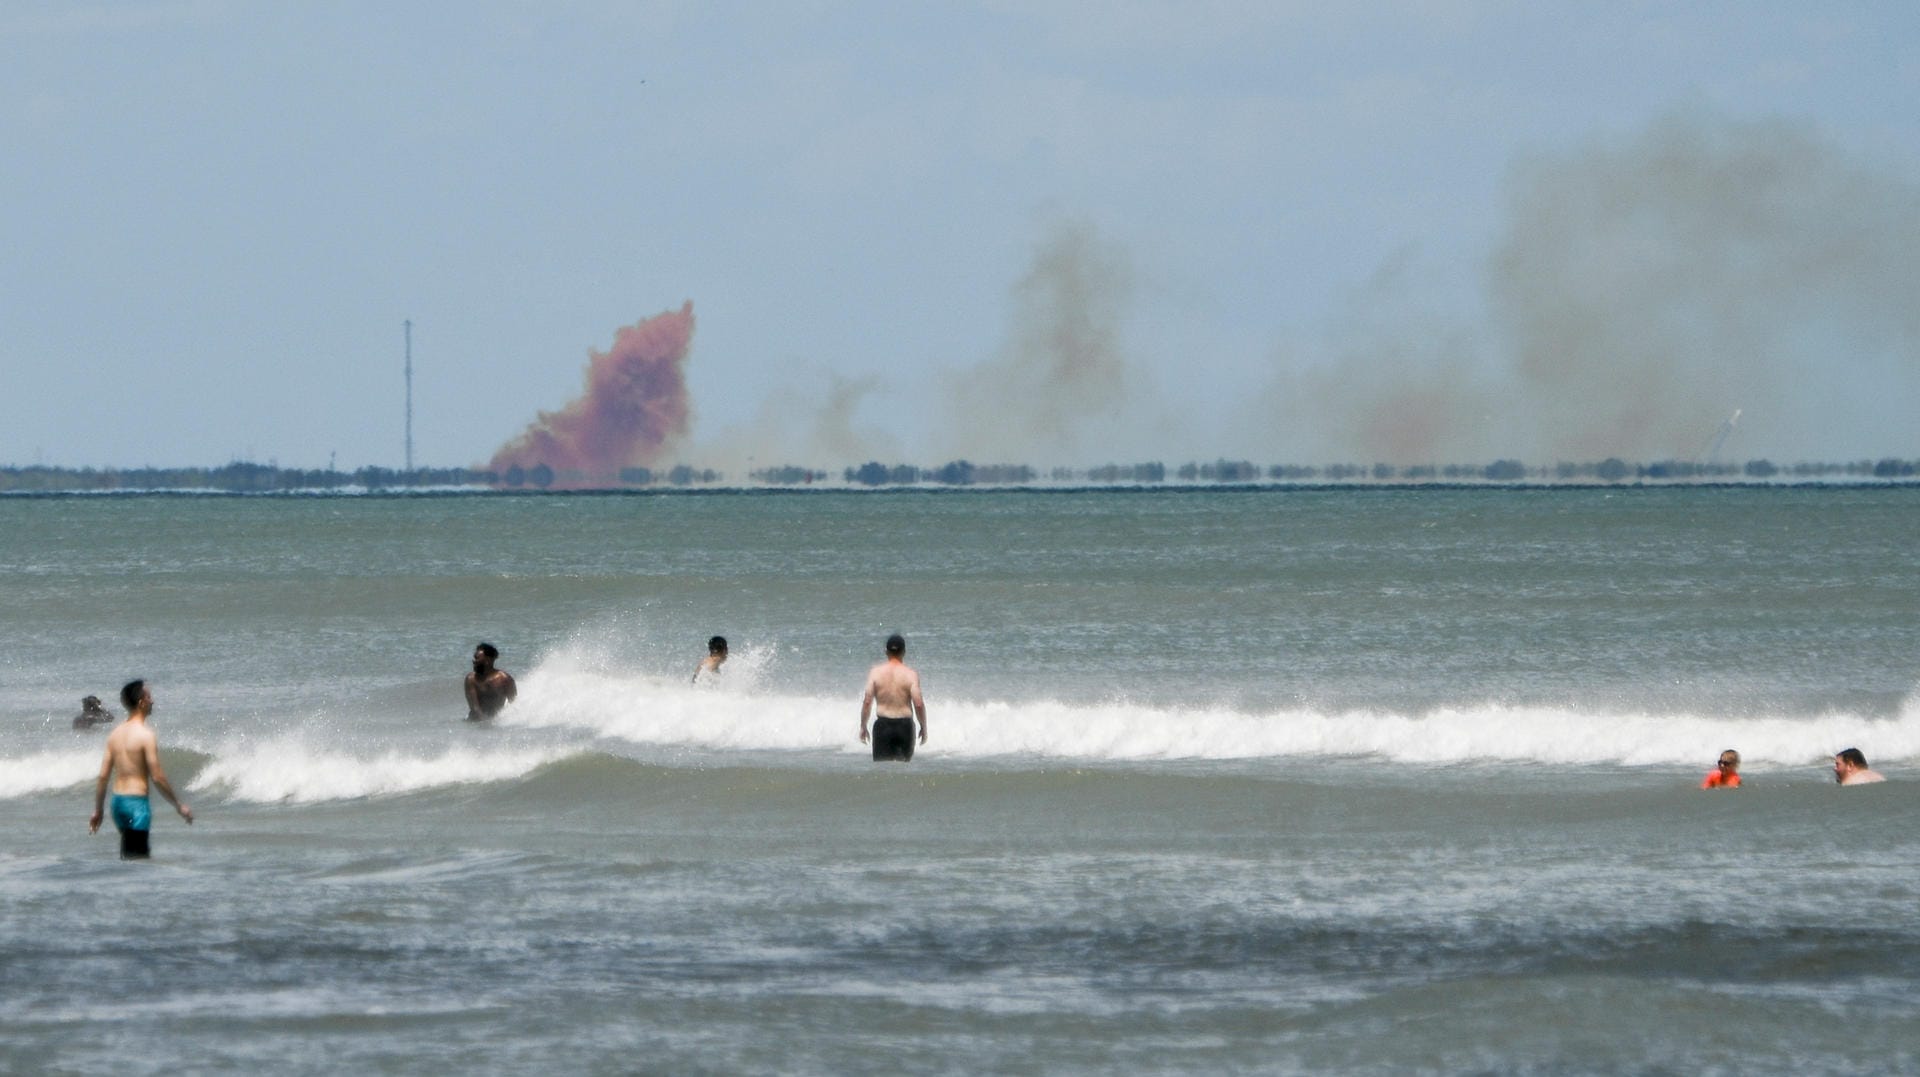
x=1363, y=781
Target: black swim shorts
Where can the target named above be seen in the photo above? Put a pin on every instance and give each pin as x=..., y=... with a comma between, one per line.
x=893, y=739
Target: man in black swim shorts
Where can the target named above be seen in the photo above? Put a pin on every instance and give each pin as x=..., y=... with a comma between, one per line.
x=893, y=688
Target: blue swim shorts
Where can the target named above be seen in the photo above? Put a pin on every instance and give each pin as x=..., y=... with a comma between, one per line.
x=132, y=813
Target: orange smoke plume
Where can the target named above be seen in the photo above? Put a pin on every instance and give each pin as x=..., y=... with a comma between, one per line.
x=635, y=404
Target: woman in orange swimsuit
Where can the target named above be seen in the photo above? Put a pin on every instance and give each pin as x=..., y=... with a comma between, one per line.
x=1726, y=775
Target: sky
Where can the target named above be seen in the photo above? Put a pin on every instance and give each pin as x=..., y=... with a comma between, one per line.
x=1056, y=233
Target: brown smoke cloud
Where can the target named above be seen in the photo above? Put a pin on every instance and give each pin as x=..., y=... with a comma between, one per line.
x=1642, y=289
x=810, y=419
x=1060, y=370
x=1647, y=288
x=1062, y=364
x=833, y=436
x=634, y=407
x=1400, y=382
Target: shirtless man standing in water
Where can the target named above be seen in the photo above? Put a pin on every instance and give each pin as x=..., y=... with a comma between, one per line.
x=716, y=656
x=132, y=762
x=488, y=689
x=894, y=688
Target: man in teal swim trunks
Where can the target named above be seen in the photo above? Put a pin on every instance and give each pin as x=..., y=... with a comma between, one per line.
x=132, y=763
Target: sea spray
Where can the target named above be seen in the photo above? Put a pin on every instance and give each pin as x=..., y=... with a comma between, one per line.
x=654, y=712
x=291, y=769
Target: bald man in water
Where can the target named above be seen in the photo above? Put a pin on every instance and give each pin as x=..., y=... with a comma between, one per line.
x=132, y=763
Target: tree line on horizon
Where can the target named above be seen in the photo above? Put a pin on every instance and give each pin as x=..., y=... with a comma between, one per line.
x=246, y=477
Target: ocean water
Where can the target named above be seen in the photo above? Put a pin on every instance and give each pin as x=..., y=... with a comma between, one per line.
x=1241, y=781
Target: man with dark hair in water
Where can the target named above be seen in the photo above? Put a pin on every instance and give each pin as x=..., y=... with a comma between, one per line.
x=893, y=687
x=132, y=763
x=92, y=713
x=716, y=654
x=488, y=689
x=1850, y=768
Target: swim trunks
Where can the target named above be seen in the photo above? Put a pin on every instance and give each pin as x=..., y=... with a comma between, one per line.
x=134, y=817
x=893, y=739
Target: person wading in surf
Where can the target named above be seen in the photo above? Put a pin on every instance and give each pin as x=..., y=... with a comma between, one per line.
x=1850, y=768
x=893, y=688
x=488, y=689
x=131, y=763
x=710, y=665
x=91, y=714
x=1725, y=774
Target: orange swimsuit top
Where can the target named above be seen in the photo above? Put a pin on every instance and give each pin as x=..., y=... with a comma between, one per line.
x=1719, y=779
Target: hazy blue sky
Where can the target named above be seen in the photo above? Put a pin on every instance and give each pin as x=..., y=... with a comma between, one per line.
x=1438, y=230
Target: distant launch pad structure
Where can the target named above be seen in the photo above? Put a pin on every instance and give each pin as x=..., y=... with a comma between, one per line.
x=409, y=324
x=1720, y=438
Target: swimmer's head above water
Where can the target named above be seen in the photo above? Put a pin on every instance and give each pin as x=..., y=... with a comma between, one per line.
x=717, y=645
x=1850, y=768
x=896, y=646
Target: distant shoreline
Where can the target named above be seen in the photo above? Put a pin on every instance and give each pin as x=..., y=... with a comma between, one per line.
x=266, y=479
x=1037, y=489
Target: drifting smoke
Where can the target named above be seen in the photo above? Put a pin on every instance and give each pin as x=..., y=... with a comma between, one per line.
x=1642, y=291
x=1403, y=383
x=1060, y=369
x=1649, y=289
x=1062, y=364
x=833, y=436
x=810, y=421
x=635, y=405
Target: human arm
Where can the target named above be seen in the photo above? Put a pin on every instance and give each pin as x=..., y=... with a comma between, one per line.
x=473, y=696
x=158, y=778
x=100, y=791
x=507, y=687
x=866, y=708
x=919, y=706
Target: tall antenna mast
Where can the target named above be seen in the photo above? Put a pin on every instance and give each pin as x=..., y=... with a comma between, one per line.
x=409, y=324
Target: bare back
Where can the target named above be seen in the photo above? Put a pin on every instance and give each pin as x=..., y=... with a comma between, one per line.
x=894, y=689
x=133, y=753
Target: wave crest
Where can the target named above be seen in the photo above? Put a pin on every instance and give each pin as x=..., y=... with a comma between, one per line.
x=291, y=771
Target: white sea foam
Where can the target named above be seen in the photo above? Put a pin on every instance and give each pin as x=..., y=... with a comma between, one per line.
x=291, y=770
x=579, y=708
x=47, y=771
x=650, y=711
